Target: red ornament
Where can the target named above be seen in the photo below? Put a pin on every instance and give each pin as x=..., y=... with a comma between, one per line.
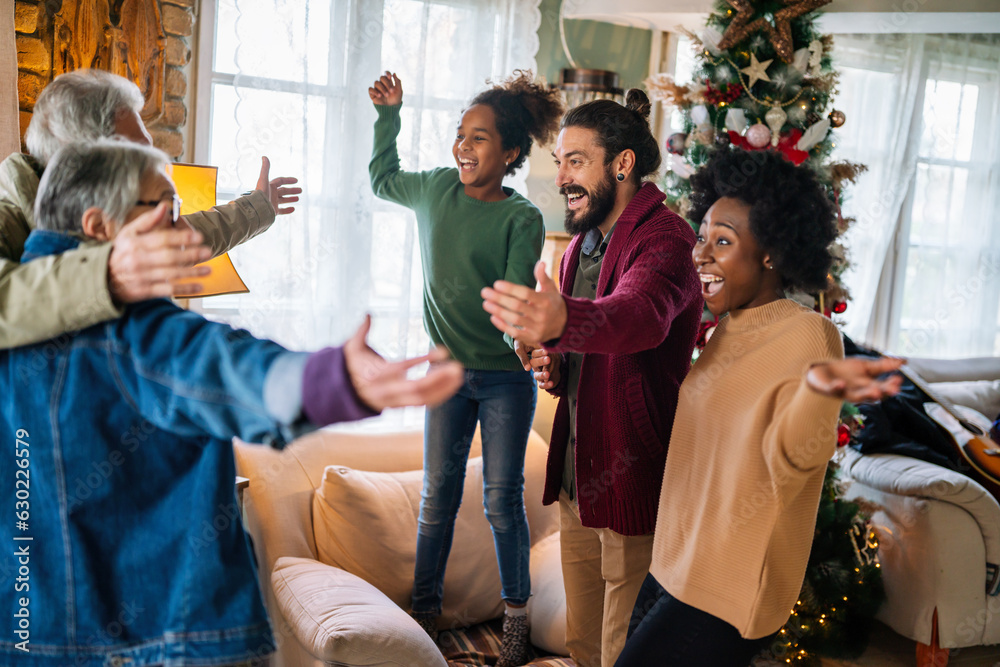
x=705, y=332
x=839, y=307
x=676, y=143
x=843, y=435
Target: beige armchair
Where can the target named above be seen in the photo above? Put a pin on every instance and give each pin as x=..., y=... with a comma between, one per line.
x=939, y=531
x=324, y=614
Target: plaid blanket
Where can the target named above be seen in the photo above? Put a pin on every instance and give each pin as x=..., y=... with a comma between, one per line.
x=479, y=646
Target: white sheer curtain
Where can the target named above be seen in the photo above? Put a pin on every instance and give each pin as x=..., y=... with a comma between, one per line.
x=880, y=83
x=290, y=80
x=925, y=251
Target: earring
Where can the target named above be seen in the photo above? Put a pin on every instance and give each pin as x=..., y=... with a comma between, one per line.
x=621, y=177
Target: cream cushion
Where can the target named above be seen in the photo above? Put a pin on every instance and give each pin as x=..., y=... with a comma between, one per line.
x=547, y=605
x=363, y=627
x=983, y=397
x=366, y=523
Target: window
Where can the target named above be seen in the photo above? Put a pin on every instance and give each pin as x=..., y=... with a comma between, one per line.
x=948, y=290
x=925, y=250
x=289, y=79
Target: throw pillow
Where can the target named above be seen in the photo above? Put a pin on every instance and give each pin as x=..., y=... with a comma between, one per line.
x=343, y=620
x=366, y=523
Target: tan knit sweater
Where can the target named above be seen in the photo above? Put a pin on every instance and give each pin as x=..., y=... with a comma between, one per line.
x=748, y=451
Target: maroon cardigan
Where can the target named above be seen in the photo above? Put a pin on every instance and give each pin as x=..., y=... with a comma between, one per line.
x=636, y=338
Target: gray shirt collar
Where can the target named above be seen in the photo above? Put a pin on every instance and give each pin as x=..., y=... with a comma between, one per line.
x=593, y=238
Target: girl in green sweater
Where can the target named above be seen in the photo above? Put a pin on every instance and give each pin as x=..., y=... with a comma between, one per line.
x=472, y=232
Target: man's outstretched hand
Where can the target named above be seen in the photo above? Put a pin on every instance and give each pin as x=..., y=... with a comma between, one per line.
x=277, y=190
x=382, y=384
x=524, y=314
x=149, y=255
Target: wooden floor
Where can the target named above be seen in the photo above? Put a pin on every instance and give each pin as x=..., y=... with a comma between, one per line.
x=887, y=649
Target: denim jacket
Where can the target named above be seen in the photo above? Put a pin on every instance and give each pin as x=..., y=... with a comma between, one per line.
x=122, y=542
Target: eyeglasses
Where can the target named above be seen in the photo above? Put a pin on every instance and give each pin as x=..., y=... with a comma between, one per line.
x=175, y=210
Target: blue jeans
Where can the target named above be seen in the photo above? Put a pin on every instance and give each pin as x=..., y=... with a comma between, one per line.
x=503, y=402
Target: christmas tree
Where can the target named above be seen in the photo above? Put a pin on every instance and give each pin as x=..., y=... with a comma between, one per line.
x=764, y=81
x=843, y=584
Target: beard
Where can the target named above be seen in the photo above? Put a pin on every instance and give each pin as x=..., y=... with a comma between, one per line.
x=600, y=202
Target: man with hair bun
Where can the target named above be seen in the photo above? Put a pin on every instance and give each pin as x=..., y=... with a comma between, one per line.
x=613, y=342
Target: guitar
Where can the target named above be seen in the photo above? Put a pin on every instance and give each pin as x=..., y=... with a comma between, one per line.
x=968, y=434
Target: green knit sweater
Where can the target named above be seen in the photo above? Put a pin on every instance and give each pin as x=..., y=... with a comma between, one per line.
x=465, y=245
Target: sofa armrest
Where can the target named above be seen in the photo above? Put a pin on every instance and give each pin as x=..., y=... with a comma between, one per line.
x=956, y=370
x=932, y=559
x=905, y=476
x=908, y=476
x=344, y=620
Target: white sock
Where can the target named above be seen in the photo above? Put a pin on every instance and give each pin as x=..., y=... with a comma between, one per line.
x=516, y=611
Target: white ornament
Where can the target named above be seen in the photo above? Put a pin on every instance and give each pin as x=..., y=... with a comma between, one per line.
x=814, y=134
x=736, y=120
x=710, y=38
x=800, y=60
x=815, y=55
x=775, y=118
x=680, y=167
x=757, y=71
x=699, y=115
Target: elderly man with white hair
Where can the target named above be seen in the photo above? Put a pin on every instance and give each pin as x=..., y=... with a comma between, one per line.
x=77, y=289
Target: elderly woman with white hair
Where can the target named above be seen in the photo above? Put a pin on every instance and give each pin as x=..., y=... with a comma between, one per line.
x=68, y=292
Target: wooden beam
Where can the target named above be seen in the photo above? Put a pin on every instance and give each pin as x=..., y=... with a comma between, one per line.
x=10, y=133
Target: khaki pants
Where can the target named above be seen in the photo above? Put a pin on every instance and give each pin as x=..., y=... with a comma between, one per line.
x=602, y=572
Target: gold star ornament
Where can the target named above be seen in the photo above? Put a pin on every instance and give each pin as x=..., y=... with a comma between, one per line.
x=757, y=70
x=779, y=34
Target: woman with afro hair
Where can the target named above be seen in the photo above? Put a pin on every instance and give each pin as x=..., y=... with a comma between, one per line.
x=756, y=421
x=473, y=231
